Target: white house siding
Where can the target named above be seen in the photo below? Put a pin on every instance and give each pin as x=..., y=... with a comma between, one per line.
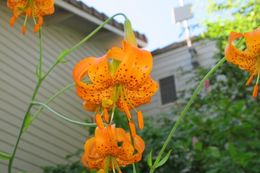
x=49, y=139
x=175, y=62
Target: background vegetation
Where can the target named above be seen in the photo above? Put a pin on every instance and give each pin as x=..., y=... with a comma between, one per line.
x=220, y=134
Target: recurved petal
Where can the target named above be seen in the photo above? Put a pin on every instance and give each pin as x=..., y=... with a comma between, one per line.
x=116, y=53
x=81, y=69
x=135, y=66
x=93, y=94
x=99, y=72
x=141, y=95
x=90, y=106
x=246, y=60
x=253, y=41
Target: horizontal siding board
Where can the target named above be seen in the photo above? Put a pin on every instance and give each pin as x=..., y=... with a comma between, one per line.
x=175, y=62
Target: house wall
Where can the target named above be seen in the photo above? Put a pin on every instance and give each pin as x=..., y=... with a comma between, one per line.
x=49, y=139
x=176, y=62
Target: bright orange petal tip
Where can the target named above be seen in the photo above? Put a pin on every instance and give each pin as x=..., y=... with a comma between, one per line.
x=140, y=120
x=255, y=92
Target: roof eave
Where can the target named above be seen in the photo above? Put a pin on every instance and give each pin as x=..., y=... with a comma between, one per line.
x=94, y=19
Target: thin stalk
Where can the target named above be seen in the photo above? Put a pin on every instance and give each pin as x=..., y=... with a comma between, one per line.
x=183, y=113
x=63, y=116
x=40, y=60
x=50, y=99
x=10, y=163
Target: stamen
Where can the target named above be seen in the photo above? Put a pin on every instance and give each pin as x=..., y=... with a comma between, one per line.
x=255, y=92
x=23, y=29
x=36, y=27
x=249, y=81
x=12, y=20
x=24, y=24
x=132, y=128
x=140, y=120
x=106, y=116
x=99, y=121
x=256, y=88
x=126, y=110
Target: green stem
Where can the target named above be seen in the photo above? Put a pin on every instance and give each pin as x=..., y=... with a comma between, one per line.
x=134, y=168
x=23, y=123
x=76, y=46
x=50, y=99
x=40, y=60
x=63, y=116
x=183, y=113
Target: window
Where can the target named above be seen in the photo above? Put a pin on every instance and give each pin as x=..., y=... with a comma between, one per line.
x=168, y=90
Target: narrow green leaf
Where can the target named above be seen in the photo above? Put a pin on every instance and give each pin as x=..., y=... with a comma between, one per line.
x=4, y=156
x=163, y=161
x=150, y=159
x=28, y=122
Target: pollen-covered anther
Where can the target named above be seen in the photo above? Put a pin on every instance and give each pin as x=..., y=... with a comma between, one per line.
x=249, y=81
x=255, y=92
x=23, y=29
x=127, y=111
x=140, y=120
x=12, y=20
x=106, y=116
x=99, y=121
x=132, y=128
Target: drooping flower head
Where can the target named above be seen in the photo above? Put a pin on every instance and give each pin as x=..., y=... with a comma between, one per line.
x=30, y=8
x=111, y=148
x=248, y=59
x=121, y=78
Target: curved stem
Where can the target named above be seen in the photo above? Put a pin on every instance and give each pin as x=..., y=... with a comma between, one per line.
x=76, y=46
x=50, y=99
x=183, y=113
x=63, y=116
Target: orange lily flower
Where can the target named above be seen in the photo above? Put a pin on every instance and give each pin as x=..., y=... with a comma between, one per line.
x=30, y=8
x=120, y=78
x=111, y=148
x=249, y=59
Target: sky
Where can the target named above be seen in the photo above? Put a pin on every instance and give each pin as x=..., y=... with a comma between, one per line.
x=154, y=18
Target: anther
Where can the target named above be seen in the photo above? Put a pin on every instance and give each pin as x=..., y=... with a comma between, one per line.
x=132, y=128
x=249, y=81
x=140, y=120
x=106, y=116
x=99, y=121
x=255, y=92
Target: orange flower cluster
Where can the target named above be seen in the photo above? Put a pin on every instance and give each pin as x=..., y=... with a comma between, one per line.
x=111, y=148
x=120, y=79
x=249, y=59
x=30, y=8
